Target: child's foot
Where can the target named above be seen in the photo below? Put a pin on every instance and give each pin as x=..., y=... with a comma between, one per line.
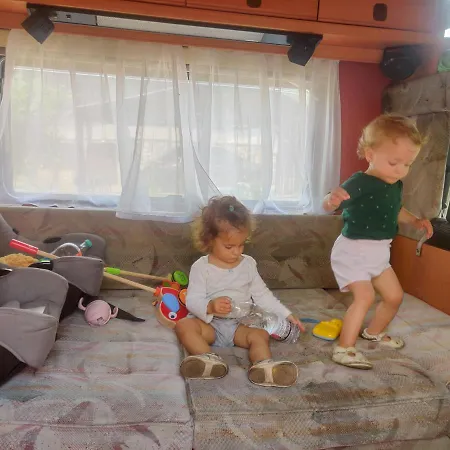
x=382, y=338
x=350, y=357
x=273, y=373
x=207, y=366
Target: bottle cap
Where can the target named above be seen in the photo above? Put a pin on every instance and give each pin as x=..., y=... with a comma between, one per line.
x=87, y=243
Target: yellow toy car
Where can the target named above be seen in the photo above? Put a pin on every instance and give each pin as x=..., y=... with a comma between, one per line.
x=328, y=330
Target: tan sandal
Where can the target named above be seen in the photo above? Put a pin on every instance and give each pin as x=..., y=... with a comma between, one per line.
x=207, y=366
x=350, y=357
x=393, y=342
x=271, y=373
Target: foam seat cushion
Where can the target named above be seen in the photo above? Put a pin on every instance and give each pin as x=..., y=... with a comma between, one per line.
x=119, y=386
x=116, y=386
x=403, y=398
x=31, y=302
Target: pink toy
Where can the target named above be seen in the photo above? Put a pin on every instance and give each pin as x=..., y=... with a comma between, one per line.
x=98, y=312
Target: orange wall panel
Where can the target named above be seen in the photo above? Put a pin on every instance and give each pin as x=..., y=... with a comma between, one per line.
x=165, y=2
x=305, y=9
x=414, y=15
x=427, y=277
x=361, y=88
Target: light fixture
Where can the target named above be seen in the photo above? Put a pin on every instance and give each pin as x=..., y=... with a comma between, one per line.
x=302, y=45
x=399, y=63
x=38, y=24
x=179, y=29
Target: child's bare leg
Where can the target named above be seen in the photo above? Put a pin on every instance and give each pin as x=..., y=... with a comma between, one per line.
x=264, y=371
x=256, y=340
x=195, y=335
x=345, y=353
x=363, y=297
x=388, y=286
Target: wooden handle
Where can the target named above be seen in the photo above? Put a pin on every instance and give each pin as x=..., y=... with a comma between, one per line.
x=129, y=282
x=46, y=255
x=143, y=275
x=114, y=271
x=107, y=275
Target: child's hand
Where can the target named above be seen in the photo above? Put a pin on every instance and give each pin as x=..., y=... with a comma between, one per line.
x=336, y=197
x=297, y=322
x=220, y=305
x=424, y=224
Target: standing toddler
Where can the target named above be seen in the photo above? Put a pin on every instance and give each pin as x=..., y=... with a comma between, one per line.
x=371, y=202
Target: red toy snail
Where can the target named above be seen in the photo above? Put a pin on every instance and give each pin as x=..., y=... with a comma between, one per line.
x=171, y=303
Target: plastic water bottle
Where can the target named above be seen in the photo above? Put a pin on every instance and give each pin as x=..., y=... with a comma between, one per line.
x=84, y=247
x=278, y=328
x=70, y=249
x=67, y=249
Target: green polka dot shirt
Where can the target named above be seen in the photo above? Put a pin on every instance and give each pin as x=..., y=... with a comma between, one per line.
x=373, y=208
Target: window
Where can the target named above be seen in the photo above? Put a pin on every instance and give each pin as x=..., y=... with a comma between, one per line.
x=58, y=170
x=2, y=72
x=155, y=130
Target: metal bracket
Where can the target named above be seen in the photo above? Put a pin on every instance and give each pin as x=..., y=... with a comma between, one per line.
x=420, y=244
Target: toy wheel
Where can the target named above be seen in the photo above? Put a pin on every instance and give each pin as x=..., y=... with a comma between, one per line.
x=182, y=297
x=180, y=277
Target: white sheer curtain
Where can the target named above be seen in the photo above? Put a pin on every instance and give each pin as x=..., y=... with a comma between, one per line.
x=58, y=144
x=266, y=130
x=98, y=122
x=155, y=130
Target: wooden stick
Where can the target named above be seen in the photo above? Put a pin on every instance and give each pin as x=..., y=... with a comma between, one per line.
x=115, y=271
x=129, y=282
x=35, y=251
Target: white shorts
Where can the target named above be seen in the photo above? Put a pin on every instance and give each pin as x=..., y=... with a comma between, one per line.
x=359, y=260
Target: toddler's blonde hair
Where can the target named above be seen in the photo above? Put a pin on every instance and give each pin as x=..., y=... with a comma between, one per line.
x=388, y=126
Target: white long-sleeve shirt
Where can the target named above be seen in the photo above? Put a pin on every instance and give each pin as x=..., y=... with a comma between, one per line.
x=241, y=284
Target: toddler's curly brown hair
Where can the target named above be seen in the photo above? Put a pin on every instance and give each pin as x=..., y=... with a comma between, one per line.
x=219, y=215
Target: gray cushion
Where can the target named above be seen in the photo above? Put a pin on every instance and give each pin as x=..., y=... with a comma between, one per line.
x=331, y=405
x=31, y=301
x=116, y=386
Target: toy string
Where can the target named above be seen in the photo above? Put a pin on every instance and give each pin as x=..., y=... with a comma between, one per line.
x=308, y=320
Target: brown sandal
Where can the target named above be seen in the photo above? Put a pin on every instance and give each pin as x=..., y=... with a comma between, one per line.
x=393, y=342
x=207, y=366
x=350, y=357
x=271, y=373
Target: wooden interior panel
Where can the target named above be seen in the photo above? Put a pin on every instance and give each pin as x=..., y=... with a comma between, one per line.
x=165, y=2
x=9, y=20
x=12, y=6
x=323, y=51
x=414, y=15
x=427, y=276
x=346, y=35
x=340, y=41
x=304, y=9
